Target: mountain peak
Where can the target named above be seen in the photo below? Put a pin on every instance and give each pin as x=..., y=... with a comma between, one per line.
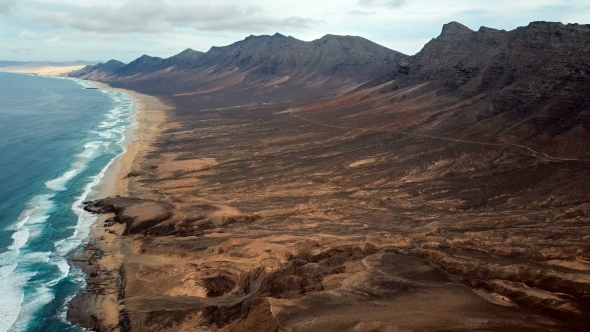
x=265, y=37
x=114, y=62
x=455, y=29
x=189, y=52
x=483, y=29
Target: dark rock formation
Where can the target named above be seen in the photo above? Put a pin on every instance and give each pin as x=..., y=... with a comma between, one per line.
x=256, y=62
x=138, y=215
x=536, y=76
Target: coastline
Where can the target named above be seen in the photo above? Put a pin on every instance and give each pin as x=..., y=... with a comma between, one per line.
x=149, y=117
x=101, y=259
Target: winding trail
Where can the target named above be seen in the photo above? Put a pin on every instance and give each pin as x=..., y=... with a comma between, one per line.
x=535, y=153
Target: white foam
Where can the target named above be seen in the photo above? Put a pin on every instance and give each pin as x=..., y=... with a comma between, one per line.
x=59, y=183
x=106, y=134
x=89, y=149
x=107, y=124
x=62, y=265
x=6, y=270
x=14, y=278
x=79, y=278
x=85, y=84
x=86, y=219
x=12, y=299
x=37, y=257
x=37, y=211
x=40, y=296
x=15, y=263
x=20, y=238
x=8, y=258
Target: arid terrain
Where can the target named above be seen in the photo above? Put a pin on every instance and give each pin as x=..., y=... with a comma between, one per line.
x=337, y=185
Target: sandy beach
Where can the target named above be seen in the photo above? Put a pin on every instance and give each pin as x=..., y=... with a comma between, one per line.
x=99, y=308
x=150, y=117
x=41, y=70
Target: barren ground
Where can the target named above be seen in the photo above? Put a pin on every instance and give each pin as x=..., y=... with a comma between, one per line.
x=275, y=218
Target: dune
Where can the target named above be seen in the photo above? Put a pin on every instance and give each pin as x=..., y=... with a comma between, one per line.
x=43, y=70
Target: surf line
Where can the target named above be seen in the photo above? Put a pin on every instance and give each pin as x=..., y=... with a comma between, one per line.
x=22, y=266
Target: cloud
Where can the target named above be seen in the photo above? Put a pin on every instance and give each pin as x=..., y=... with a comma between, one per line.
x=157, y=16
x=54, y=40
x=7, y=6
x=98, y=36
x=382, y=3
x=28, y=35
x=361, y=13
x=131, y=16
x=19, y=49
x=250, y=21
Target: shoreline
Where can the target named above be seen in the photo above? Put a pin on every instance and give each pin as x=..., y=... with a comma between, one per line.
x=101, y=259
x=149, y=116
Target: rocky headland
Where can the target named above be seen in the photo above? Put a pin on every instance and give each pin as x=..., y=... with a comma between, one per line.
x=337, y=185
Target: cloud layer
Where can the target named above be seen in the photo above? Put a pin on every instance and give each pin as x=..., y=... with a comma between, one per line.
x=28, y=35
x=158, y=16
x=124, y=29
x=6, y=5
x=382, y=3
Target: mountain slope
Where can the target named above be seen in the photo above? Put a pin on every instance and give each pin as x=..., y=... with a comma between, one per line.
x=260, y=62
x=526, y=85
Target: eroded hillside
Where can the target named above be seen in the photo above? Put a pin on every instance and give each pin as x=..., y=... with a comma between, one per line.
x=449, y=192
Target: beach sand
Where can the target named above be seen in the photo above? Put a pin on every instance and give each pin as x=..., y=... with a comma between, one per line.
x=102, y=258
x=41, y=70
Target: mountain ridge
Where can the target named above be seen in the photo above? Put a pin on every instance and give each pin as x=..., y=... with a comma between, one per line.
x=257, y=59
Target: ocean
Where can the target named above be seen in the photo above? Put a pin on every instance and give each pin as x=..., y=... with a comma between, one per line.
x=57, y=137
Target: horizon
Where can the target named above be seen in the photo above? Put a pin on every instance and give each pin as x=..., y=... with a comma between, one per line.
x=245, y=38
x=66, y=30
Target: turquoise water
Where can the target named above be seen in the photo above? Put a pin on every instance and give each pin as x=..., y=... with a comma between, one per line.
x=56, y=140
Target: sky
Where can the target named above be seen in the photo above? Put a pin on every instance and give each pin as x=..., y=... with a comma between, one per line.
x=99, y=30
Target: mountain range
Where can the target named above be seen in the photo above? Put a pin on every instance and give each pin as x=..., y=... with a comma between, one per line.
x=339, y=185
x=534, y=77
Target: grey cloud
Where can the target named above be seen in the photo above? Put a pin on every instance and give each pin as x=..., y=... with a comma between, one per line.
x=382, y=3
x=252, y=23
x=155, y=16
x=26, y=34
x=234, y=18
x=18, y=49
x=132, y=16
x=361, y=13
x=98, y=36
x=7, y=5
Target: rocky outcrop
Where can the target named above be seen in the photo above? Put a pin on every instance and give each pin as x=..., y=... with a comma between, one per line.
x=149, y=217
x=537, y=74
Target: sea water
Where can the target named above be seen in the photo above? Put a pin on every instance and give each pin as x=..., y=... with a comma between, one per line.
x=57, y=137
